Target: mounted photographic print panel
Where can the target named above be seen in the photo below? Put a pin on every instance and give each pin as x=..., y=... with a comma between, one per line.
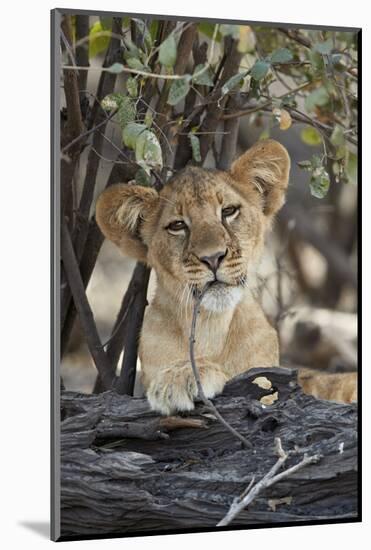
x=205, y=258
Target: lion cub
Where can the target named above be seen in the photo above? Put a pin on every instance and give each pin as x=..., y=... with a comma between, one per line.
x=203, y=226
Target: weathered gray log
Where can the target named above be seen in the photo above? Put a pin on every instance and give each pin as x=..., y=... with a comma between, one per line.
x=124, y=469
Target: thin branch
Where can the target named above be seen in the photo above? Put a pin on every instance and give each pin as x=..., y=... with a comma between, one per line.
x=88, y=132
x=266, y=104
x=296, y=36
x=201, y=394
x=105, y=86
x=119, y=324
x=148, y=74
x=271, y=477
x=83, y=308
x=92, y=247
x=303, y=41
x=140, y=279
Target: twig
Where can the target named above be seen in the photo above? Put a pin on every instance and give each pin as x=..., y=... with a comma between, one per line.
x=126, y=381
x=147, y=73
x=119, y=324
x=88, y=132
x=85, y=313
x=257, y=108
x=201, y=394
x=106, y=86
x=269, y=479
x=92, y=247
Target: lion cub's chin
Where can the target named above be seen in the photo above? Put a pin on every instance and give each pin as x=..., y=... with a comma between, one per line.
x=221, y=297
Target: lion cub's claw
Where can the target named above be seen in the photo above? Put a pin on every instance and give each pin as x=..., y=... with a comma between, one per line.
x=175, y=389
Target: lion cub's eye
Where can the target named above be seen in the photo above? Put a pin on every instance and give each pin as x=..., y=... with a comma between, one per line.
x=230, y=212
x=176, y=226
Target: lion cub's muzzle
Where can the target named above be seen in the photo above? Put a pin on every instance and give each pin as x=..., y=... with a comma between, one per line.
x=222, y=271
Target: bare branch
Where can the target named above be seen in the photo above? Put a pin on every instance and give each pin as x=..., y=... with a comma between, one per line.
x=269, y=479
x=92, y=247
x=140, y=279
x=266, y=104
x=88, y=132
x=201, y=394
x=82, y=305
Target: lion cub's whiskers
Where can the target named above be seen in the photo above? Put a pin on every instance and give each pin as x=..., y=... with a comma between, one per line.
x=182, y=302
x=189, y=298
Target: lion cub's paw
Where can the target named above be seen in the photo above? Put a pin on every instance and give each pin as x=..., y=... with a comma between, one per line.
x=174, y=389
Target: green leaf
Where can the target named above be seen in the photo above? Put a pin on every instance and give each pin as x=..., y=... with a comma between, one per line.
x=305, y=164
x=142, y=178
x=131, y=132
x=126, y=112
x=319, y=185
x=282, y=55
x=336, y=59
x=132, y=86
x=195, y=144
x=233, y=82
x=319, y=182
x=131, y=50
x=319, y=97
x=126, y=22
x=168, y=51
x=116, y=68
x=178, y=90
x=106, y=23
x=134, y=63
x=111, y=102
x=208, y=30
x=143, y=29
x=316, y=60
x=247, y=40
x=153, y=28
x=324, y=48
x=260, y=70
x=205, y=78
x=98, y=42
x=352, y=167
x=148, y=152
x=337, y=137
x=148, y=119
x=229, y=30
x=265, y=134
x=310, y=136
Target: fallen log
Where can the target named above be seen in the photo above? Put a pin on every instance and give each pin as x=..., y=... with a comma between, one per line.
x=126, y=470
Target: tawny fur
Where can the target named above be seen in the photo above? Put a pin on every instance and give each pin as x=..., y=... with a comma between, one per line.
x=340, y=387
x=233, y=334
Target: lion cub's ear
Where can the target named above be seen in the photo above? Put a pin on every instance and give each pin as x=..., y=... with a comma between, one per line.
x=121, y=212
x=262, y=173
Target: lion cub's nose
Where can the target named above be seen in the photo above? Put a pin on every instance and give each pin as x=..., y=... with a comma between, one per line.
x=214, y=261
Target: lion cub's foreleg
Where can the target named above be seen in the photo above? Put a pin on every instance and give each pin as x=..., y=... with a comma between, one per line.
x=173, y=388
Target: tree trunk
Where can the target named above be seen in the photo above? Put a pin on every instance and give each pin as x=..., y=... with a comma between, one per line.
x=126, y=470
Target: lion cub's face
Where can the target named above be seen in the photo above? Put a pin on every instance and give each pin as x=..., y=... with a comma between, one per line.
x=206, y=232
x=204, y=226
